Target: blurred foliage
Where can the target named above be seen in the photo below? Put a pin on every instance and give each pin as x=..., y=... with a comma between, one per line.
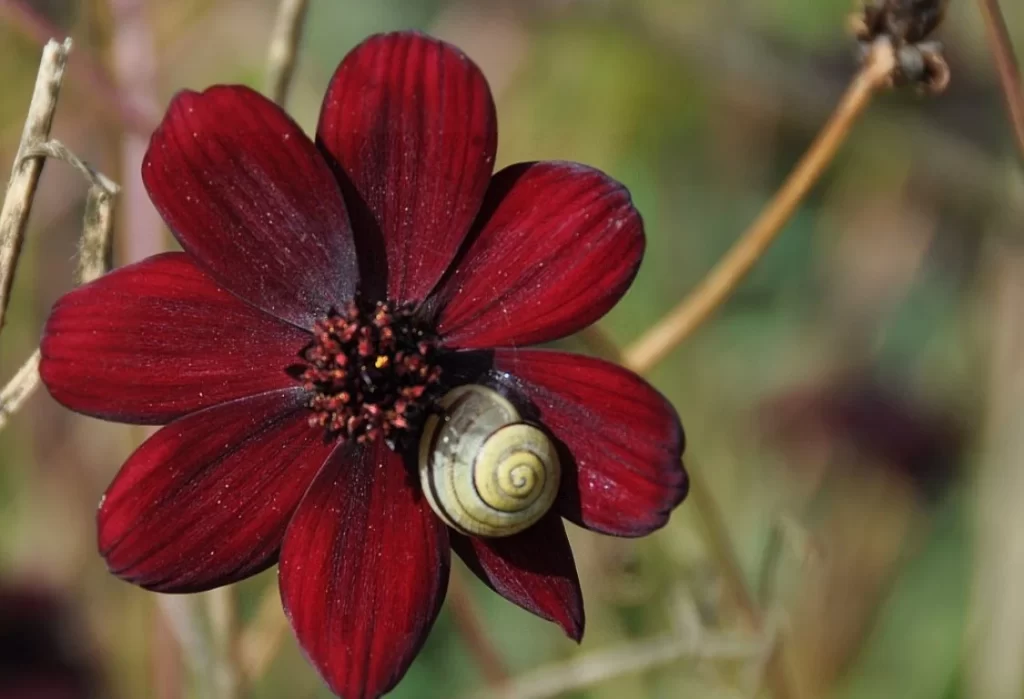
x=700, y=108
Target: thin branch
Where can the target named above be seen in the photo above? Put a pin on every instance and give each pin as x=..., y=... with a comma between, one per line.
x=1006, y=65
x=96, y=245
x=58, y=151
x=93, y=260
x=724, y=553
x=721, y=546
x=467, y=621
x=222, y=610
x=641, y=656
x=284, y=43
x=262, y=637
x=19, y=389
x=181, y=616
x=723, y=279
x=26, y=171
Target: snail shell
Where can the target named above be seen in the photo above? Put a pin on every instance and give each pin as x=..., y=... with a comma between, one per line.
x=484, y=471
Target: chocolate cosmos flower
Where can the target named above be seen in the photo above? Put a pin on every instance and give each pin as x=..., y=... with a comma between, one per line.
x=328, y=296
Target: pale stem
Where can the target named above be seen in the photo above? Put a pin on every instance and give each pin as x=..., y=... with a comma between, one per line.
x=93, y=255
x=641, y=656
x=467, y=621
x=284, y=43
x=1006, y=65
x=727, y=274
x=223, y=614
x=19, y=389
x=996, y=622
x=181, y=616
x=25, y=174
x=262, y=637
x=93, y=261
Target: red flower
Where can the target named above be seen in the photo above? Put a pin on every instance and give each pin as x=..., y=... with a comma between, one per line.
x=328, y=295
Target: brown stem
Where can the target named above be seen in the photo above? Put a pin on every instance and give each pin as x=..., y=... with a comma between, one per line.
x=723, y=279
x=25, y=174
x=1006, y=65
x=222, y=610
x=284, y=44
x=93, y=261
x=717, y=537
x=724, y=552
x=467, y=621
x=263, y=636
x=559, y=679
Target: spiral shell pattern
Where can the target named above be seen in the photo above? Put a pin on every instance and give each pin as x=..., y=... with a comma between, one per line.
x=484, y=471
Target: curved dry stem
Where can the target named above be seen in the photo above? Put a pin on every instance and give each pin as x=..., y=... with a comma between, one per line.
x=1006, y=66
x=93, y=260
x=223, y=613
x=19, y=389
x=261, y=639
x=25, y=174
x=467, y=621
x=723, y=279
x=641, y=656
x=284, y=43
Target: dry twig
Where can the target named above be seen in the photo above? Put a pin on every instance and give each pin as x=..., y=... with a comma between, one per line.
x=25, y=175
x=93, y=259
x=1006, y=66
x=284, y=43
x=262, y=637
x=718, y=285
x=723, y=279
x=227, y=670
x=640, y=656
x=97, y=233
x=467, y=621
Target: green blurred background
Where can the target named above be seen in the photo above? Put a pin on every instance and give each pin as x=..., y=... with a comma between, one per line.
x=855, y=409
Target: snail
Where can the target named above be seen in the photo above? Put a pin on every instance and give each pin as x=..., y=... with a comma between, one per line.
x=484, y=470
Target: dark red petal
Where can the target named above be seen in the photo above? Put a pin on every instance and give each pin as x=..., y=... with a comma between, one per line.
x=411, y=123
x=205, y=501
x=248, y=195
x=364, y=569
x=621, y=473
x=533, y=569
x=557, y=247
x=153, y=341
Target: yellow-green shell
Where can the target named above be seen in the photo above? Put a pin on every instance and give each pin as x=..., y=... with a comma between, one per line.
x=483, y=470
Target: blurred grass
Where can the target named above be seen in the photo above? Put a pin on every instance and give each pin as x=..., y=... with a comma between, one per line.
x=669, y=98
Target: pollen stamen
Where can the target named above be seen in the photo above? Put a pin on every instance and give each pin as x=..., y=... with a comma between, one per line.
x=370, y=374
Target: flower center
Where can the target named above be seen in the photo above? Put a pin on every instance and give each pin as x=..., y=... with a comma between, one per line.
x=371, y=372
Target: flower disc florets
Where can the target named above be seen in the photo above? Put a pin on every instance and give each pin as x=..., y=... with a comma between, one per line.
x=371, y=372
